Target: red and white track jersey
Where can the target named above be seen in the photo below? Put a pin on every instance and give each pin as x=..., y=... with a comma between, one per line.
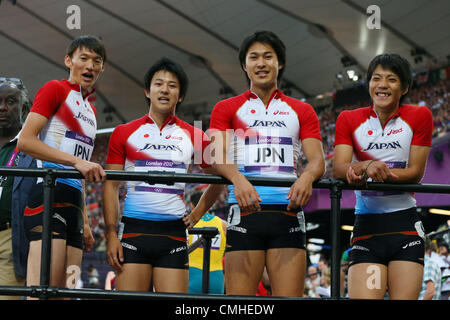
x=361, y=129
x=265, y=141
x=141, y=145
x=71, y=125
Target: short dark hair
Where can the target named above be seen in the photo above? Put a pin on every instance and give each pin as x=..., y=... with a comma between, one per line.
x=264, y=37
x=397, y=64
x=165, y=64
x=90, y=42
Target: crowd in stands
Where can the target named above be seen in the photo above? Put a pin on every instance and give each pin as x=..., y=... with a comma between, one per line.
x=434, y=96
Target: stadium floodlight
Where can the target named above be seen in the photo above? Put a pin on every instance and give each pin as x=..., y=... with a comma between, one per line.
x=347, y=227
x=439, y=211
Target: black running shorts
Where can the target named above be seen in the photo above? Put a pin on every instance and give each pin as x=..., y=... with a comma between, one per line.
x=271, y=228
x=161, y=244
x=67, y=218
x=381, y=238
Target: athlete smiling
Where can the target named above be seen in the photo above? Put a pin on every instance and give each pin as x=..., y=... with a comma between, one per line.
x=386, y=142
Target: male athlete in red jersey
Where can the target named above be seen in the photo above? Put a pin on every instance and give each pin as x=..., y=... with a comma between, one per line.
x=60, y=130
x=152, y=242
x=262, y=130
x=385, y=142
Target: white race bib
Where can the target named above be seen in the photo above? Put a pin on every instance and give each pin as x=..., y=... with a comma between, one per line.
x=272, y=154
x=77, y=144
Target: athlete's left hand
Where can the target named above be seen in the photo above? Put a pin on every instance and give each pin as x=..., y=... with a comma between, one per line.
x=300, y=191
x=190, y=220
x=88, y=238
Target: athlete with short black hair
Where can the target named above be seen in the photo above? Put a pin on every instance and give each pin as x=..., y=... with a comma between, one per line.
x=60, y=131
x=385, y=142
x=262, y=130
x=151, y=244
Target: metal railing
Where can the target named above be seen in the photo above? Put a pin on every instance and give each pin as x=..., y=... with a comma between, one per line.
x=43, y=291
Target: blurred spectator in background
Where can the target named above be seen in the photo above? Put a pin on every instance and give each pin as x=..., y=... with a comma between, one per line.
x=431, y=285
x=93, y=277
x=312, y=280
x=324, y=289
x=445, y=270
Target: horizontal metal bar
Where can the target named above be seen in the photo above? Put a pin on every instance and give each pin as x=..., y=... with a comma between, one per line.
x=210, y=232
x=53, y=292
x=153, y=177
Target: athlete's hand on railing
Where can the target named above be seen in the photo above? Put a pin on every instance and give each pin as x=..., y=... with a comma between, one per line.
x=353, y=178
x=300, y=192
x=92, y=172
x=114, y=251
x=190, y=220
x=379, y=171
x=246, y=195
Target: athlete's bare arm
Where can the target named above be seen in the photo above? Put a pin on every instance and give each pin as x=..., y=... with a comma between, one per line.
x=30, y=143
x=111, y=207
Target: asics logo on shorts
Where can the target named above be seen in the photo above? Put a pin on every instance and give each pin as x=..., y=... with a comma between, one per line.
x=238, y=229
x=360, y=248
x=296, y=229
x=129, y=246
x=179, y=249
x=411, y=244
x=57, y=216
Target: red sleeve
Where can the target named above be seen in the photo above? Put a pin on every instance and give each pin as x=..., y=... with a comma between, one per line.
x=307, y=117
x=116, y=149
x=309, y=123
x=423, y=127
x=343, y=134
x=49, y=98
x=222, y=116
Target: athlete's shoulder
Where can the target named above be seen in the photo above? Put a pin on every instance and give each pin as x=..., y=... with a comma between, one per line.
x=413, y=109
x=357, y=115
x=54, y=87
x=225, y=111
x=129, y=127
x=187, y=126
x=294, y=101
x=303, y=109
x=192, y=131
x=234, y=101
x=49, y=98
x=415, y=115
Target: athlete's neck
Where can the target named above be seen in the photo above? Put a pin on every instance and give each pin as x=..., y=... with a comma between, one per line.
x=263, y=93
x=385, y=113
x=84, y=91
x=159, y=118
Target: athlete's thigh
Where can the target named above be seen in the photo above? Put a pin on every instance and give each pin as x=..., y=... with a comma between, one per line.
x=171, y=280
x=286, y=268
x=57, y=265
x=243, y=271
x=367, y=281
x=405, y=280
x=134, y=277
